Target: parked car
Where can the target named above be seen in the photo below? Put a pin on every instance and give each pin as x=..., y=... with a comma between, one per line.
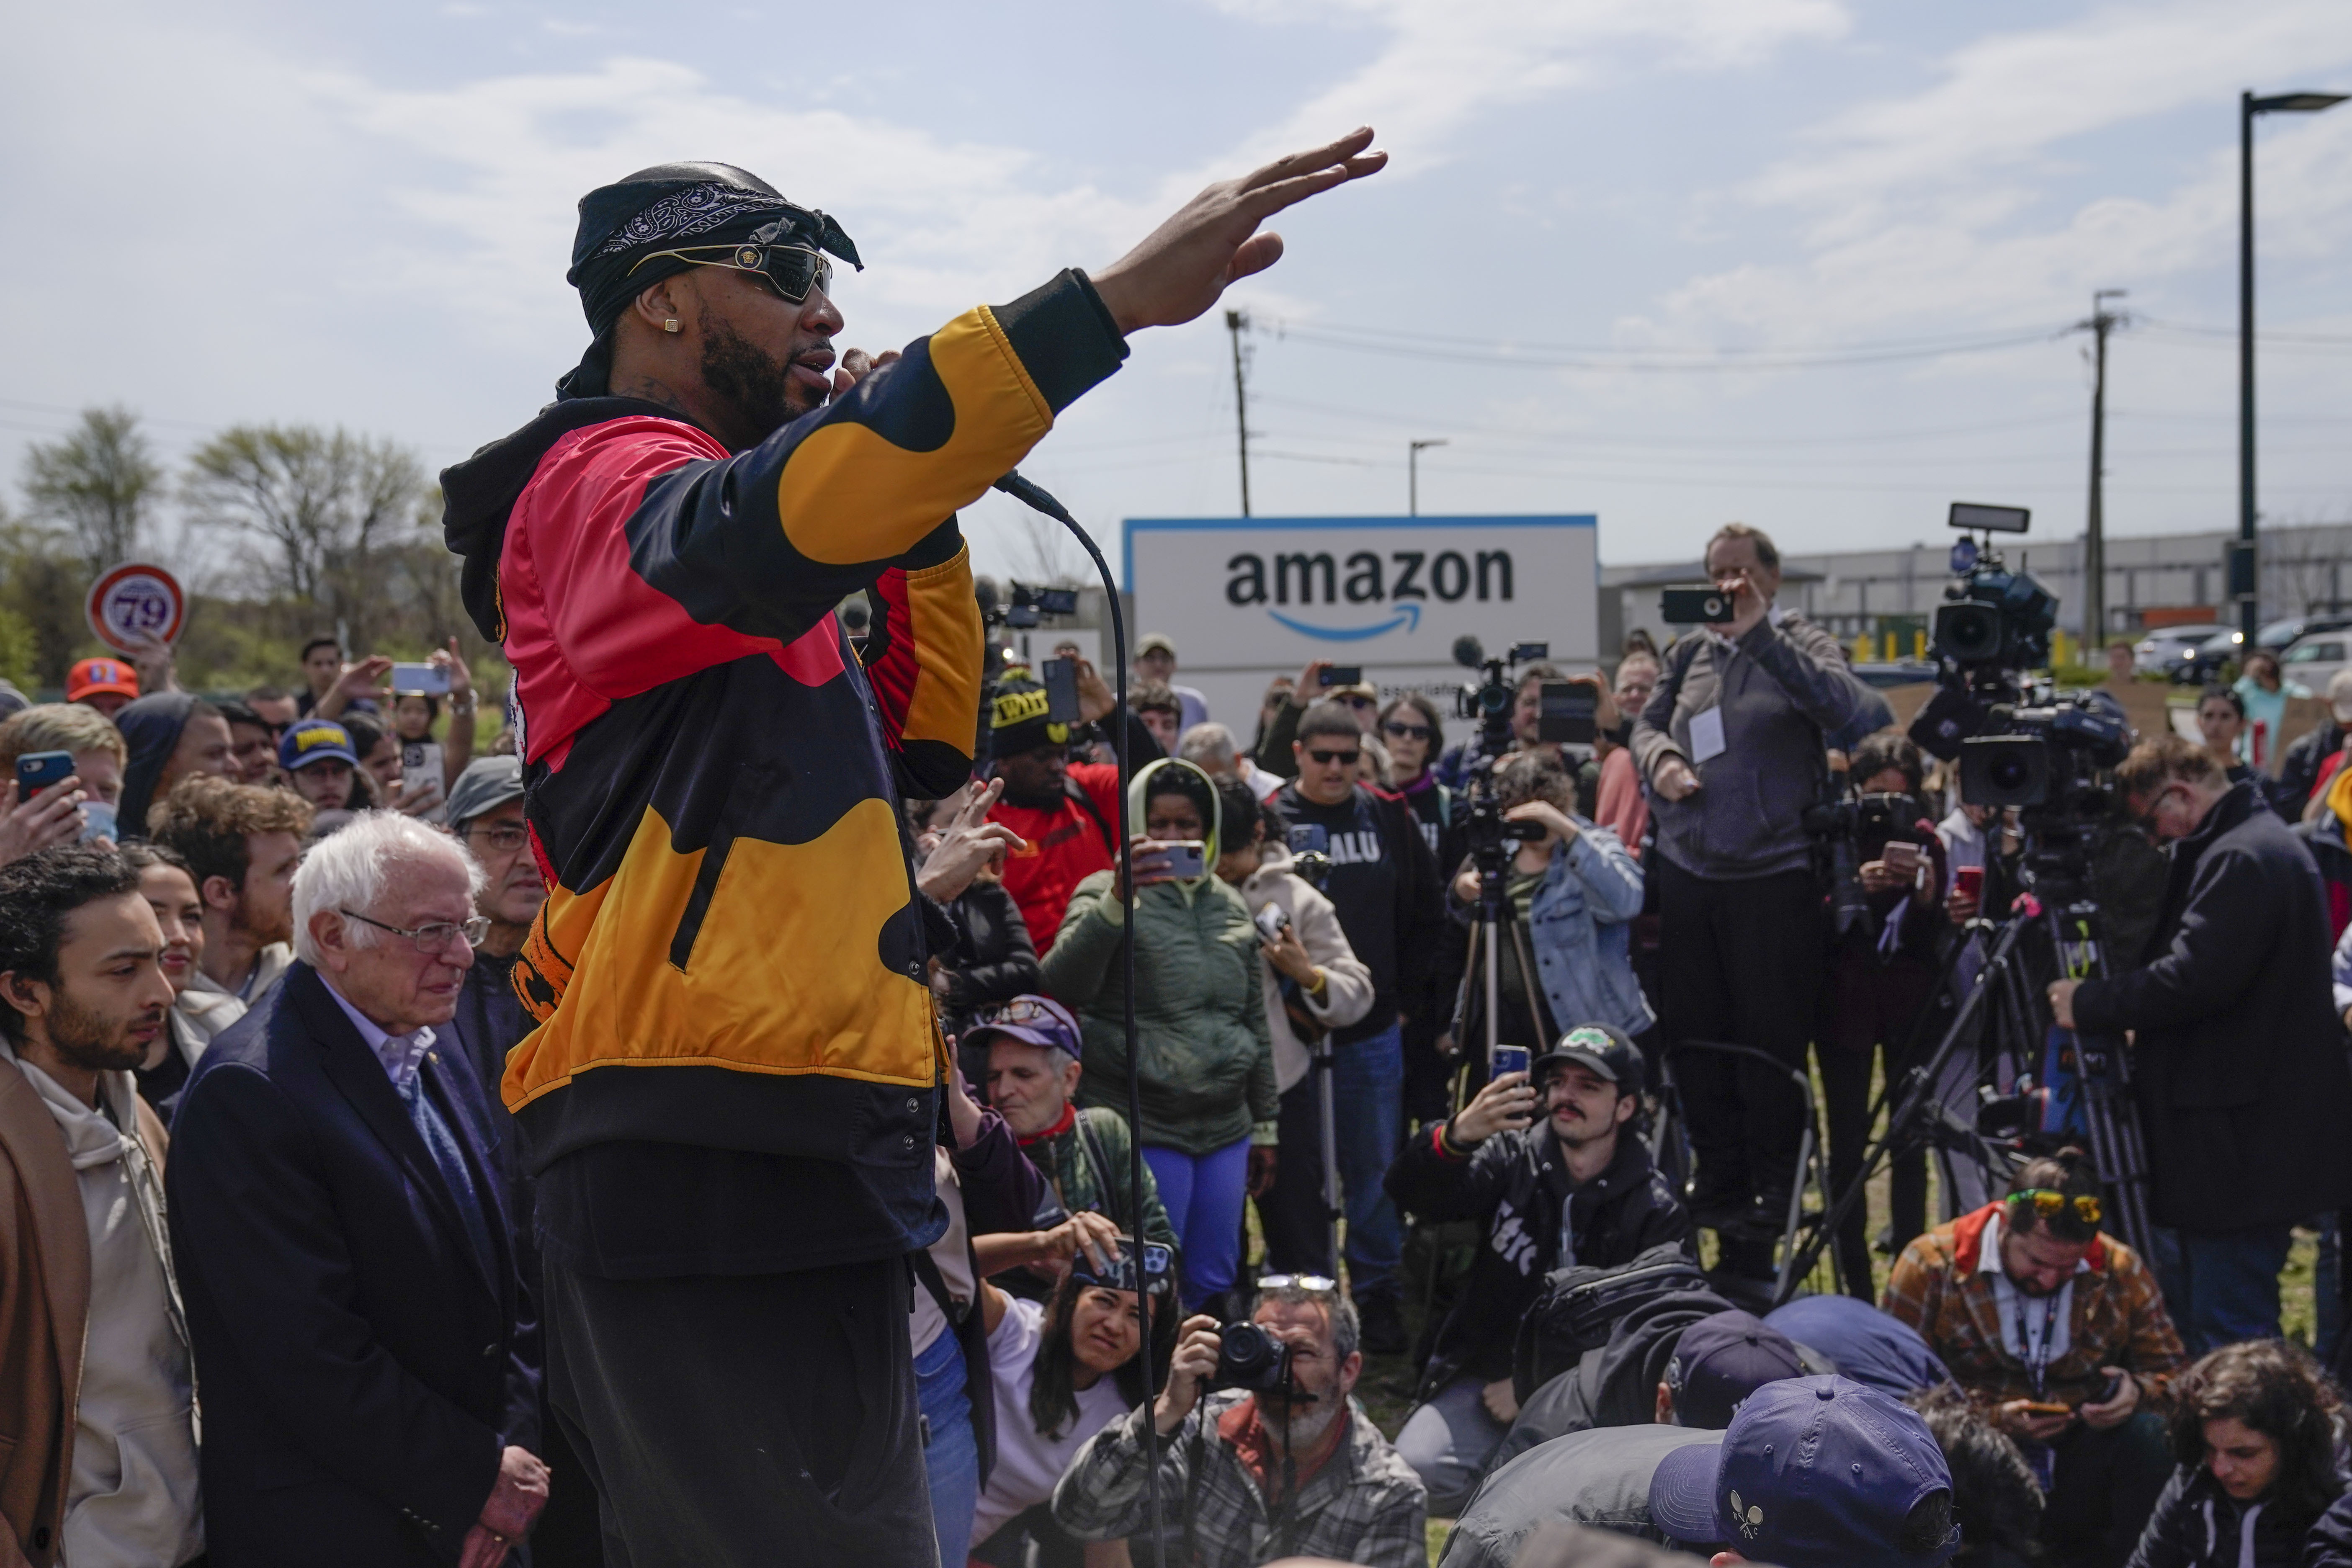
x=2283, y=634
x=2166, y=650
x=2313, y=659
x=2206, y=660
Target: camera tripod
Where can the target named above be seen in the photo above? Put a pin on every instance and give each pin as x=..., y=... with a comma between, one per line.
x=2049, y=933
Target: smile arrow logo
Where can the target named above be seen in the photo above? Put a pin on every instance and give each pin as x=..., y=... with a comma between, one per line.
x=1407, y=616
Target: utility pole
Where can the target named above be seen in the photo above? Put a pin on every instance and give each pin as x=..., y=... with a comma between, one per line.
x=1237, y=323
x=2094, y=536
x=1412, y=474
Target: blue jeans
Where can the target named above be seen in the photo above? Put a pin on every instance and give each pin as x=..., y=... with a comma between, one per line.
x=1202, y=1194
x=1448, y=1441
x=1367, y=1113
x=952, y=1457
x=2230, y=1285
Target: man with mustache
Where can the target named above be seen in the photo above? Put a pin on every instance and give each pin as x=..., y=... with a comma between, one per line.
x=713, y=777
x=96, y=1393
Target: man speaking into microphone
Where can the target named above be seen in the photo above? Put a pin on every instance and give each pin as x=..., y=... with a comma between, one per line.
x=728, y=1097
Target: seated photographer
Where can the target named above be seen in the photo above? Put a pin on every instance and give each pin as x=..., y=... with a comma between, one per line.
x=1885, y=960
x=1812, y=1472
x=1064, y=1370
x=2254, y=1429
x=1207, y=1069
x=2060, y=1335
x=1577, y=1188
x=1314, y=983
x=1574, y=893
x=1262, y=1453
x=1032, y=1045
x=2239, y=1062
x=1694, y=1372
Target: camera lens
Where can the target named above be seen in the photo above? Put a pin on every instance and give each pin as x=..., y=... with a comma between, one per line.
x=2010, y=773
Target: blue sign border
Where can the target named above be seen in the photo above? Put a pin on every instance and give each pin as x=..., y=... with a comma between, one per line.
x=1130, y=527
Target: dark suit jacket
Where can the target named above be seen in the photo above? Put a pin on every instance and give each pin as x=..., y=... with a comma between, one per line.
x=360, y=1368
x=2239, y=1071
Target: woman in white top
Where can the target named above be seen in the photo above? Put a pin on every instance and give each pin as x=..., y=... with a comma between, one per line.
x=1064, y=1369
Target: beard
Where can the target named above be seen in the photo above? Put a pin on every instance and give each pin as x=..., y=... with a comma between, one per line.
x=758, y=386
x=90, y=1040
x=1305, y=1426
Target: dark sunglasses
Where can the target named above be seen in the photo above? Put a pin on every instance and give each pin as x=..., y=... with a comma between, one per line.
x=1327, y=758
x=1357, y=701
x=1408, y=732
x=791, y=271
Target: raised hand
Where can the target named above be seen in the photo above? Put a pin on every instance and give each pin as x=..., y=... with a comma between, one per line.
x=1183, y=266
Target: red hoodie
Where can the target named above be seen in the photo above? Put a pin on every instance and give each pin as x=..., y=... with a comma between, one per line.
x=1066, y=845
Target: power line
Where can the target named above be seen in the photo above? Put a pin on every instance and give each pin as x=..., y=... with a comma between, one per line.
x=1532, y=357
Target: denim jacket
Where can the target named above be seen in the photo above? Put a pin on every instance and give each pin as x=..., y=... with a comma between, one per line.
x=1580, y=931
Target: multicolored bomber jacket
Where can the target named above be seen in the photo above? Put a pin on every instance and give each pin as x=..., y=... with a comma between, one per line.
x=731, y=954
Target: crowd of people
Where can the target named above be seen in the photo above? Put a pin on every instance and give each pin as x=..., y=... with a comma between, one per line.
x=994, y=1190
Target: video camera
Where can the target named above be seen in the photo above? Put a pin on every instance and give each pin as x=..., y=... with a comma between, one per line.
x=1568, y=706
x=1019, y=605
x=1992, y=618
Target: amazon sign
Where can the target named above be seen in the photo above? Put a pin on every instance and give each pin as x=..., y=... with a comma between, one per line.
x=1244, y=597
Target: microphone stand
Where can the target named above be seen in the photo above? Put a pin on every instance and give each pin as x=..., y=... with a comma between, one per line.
x=1038, y=500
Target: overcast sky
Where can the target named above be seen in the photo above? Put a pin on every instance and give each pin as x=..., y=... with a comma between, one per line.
x=1600, y=216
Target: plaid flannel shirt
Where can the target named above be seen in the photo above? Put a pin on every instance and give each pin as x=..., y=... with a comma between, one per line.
x=1365, y=1506
x=2116, y=1319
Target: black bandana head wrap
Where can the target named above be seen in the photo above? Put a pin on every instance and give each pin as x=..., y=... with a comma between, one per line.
x=662, y=208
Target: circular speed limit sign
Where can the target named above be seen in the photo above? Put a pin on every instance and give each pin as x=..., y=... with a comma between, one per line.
x=133, y=599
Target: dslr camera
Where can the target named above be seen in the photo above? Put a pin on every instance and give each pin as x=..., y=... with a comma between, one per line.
x=1251, y=1358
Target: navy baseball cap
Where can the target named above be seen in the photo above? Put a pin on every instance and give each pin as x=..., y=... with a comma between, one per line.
x=1033, y=1021
x=1815, y=1472
x=315, y=740
x=1720, y=1361
x=1606, y=1050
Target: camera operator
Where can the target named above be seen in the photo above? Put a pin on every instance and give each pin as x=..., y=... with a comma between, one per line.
x=1289, y=1466
x=1454, y=770
x=2061, y=1335
x=1067, y=812
x=1883, y=973
x=1731, y=746
x=1579, y=1188
x=1385, y=884
x=2238, y=1064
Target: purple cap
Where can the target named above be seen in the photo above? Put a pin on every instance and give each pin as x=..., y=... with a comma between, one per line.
x=1720, y=1361
x=1815, y=1472
x=1033, y=1021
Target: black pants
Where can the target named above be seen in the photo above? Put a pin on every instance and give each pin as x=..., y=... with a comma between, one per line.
x=1291, y=1215
x=746, y=1421
x=1740, y=963
x=2103, y=1490
x=1875, y=1008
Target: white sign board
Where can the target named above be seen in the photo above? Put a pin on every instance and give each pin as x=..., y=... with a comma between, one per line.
x=1248, y=599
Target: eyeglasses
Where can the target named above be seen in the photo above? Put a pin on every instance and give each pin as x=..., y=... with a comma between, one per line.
x=1408, y=732
x=1326, y=758
x=1358, y=701
x=2145, y=820
x=435, y=936
x=2046, y=1203
x=791, y=271
x=1020, y=1010
x=1313, y=1284
x=503, y=836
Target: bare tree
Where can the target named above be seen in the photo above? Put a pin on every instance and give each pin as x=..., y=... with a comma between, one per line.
x=322, y=506
x=97, y=482
x=1045, y=552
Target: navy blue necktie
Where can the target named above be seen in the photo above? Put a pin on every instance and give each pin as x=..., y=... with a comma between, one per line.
x=450, y=1160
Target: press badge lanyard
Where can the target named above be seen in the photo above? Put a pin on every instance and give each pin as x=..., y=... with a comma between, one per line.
x=2037, y=1351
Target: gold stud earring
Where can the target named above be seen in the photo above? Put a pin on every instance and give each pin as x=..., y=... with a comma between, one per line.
x=669, y=324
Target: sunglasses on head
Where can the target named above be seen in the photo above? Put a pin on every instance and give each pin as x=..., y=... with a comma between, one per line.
x=1020, y=1010
x=791, y=271
x=1408, y=732
x=1313, y=1284
x=2047, y=1203
x=1327, y=758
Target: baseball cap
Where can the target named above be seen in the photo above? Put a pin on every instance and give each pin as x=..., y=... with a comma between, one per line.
x=89, y=677
x=315, y=740
x=1033, y=1020
x=487, y=783
x=1815, y=1472
x=2339, y=695
x=1606, y=1050
x=1156, y=642
x=1720, y=1361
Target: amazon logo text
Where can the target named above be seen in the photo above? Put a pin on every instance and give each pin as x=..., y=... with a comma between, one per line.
x=1365, y=578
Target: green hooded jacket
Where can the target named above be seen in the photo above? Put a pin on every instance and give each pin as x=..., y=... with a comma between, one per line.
x=1199, y=1012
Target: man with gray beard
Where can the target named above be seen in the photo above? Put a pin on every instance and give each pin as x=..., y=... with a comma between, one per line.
x=1251, y=1477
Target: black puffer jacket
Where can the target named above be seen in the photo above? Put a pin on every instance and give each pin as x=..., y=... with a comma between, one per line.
x=1517, y=1183
x=2198, y=1525
x=993, y=958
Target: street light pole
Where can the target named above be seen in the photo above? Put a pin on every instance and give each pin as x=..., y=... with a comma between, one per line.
x=1236, y=323
x=2245, y=575
x=1413, y=473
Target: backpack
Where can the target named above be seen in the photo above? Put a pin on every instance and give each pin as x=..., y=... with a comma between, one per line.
x=1577, y=1309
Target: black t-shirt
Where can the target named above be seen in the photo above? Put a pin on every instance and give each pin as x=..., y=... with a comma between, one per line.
x=1370, y=885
